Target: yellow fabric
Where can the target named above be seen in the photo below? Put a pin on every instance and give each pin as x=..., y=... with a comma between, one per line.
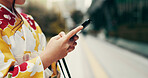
x=20, y=45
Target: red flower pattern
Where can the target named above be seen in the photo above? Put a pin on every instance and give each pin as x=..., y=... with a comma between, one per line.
x=29, y=20
x=23, y=67
x=15, y=71
x=6, y=18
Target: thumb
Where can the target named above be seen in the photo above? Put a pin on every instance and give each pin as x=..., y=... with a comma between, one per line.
x=56, y=37
x=61, y=34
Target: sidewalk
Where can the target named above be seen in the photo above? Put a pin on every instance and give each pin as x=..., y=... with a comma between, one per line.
x=87, y=59
x=137, y=47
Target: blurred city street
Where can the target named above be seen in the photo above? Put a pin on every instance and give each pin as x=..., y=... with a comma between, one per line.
x=95, y=58
x=117, y=44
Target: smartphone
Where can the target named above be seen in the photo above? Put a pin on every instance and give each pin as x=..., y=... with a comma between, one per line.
x=84, y=24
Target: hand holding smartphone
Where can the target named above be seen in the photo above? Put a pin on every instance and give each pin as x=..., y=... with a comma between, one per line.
x=64, y=62
x=84, y=24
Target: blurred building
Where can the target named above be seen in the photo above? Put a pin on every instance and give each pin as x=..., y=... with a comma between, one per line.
x=67, y=7
x=126, y=19
x=38, y=2
x=64, y=8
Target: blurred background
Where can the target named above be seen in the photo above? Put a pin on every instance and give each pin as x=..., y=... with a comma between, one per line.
x=114, y=45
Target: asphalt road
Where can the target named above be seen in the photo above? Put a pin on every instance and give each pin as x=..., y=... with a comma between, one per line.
x=95, y=58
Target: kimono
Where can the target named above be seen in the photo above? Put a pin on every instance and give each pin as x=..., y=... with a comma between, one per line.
x=21, y=42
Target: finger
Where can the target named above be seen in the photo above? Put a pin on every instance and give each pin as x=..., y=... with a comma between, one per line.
x=72, y=45
x=75, y=43
x=73, y=32
x=61, y=34
x=74, y=38
x=70, y=49
x=56, y=37
x=71, y=42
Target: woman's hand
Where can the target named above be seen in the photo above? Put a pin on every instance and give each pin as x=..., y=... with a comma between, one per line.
x=59, y=46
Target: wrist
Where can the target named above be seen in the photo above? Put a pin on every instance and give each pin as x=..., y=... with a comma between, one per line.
x=46, y=60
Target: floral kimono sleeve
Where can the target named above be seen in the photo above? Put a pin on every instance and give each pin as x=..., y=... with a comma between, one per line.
x=9, y=67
